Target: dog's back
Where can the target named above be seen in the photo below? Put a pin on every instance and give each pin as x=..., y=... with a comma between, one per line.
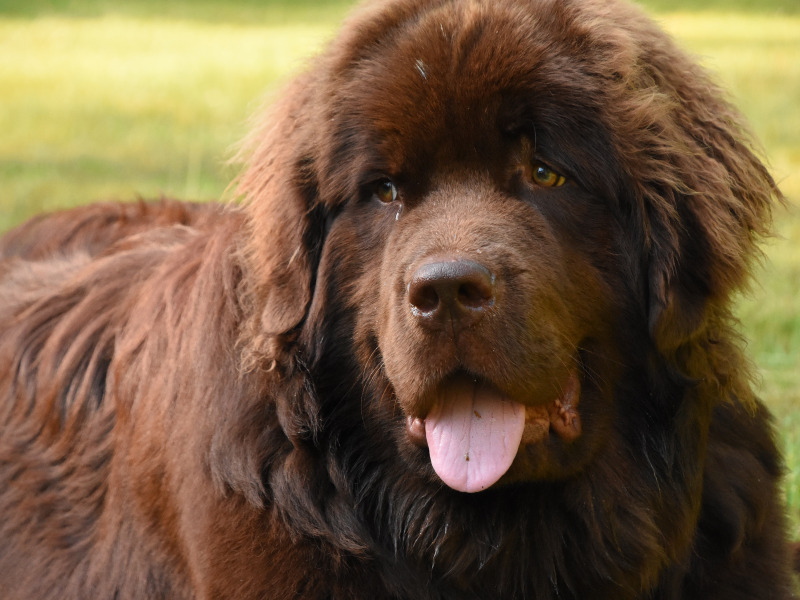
x=70, y=284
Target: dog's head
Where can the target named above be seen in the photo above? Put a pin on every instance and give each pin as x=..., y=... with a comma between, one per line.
x=498, y=209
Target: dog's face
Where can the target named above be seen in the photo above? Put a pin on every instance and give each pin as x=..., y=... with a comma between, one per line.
x=506, y=232
x=480, y=220
x=489, y=320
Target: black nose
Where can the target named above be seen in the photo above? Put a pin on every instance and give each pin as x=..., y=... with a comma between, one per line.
x=454, y=293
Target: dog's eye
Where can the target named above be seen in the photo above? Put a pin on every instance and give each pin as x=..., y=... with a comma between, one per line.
x=386, y=191
x=546, y=177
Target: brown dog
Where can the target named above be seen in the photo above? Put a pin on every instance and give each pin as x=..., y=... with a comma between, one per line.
x=469, y=336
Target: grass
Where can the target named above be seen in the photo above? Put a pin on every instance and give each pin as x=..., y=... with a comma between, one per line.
x=120, y=98
x=240, y=12
x=118, y=106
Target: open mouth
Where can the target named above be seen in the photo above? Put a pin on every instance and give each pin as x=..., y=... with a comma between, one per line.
x=474, y=432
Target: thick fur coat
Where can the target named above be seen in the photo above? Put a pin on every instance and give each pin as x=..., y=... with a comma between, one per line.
x=468, y=335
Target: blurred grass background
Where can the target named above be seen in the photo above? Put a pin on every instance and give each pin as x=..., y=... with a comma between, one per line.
x=128, y=98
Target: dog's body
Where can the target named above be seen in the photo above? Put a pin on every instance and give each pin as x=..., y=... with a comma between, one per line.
x=469, y=337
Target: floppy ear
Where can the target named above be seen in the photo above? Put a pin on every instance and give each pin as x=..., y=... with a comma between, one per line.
x=279, y=194
x=722, y=207
x=704, y=196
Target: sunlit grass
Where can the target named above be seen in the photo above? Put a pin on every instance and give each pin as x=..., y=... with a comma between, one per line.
x=118, y=107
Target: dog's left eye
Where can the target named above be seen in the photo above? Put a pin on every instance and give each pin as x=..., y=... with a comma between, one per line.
x=386, y=191
x=546, y=177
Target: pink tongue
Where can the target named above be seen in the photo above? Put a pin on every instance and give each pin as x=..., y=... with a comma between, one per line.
x=473, y=434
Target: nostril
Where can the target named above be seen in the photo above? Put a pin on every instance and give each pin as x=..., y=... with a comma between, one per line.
x=476, y=294
x=423, y=297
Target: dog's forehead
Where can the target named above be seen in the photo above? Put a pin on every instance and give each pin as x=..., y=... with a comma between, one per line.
x=451, y=61
x=457, y=75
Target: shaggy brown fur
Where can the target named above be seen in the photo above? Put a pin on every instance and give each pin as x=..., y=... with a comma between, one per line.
x=534, y=210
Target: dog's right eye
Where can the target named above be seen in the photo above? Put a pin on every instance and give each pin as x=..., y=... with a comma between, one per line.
x=386, y=191
x=544, y=176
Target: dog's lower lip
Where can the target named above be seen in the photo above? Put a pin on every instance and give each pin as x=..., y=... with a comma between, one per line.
x=560, y=416
x=416, y=431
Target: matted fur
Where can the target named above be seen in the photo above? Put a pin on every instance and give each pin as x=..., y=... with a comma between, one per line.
x=207, y=402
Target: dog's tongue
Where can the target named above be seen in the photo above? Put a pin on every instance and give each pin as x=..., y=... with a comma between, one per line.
x=473, y=435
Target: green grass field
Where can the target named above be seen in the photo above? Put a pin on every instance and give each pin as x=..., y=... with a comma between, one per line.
x=127, y=98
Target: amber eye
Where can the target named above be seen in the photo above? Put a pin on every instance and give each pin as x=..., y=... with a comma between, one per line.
x=546, y=177
x=385, y=191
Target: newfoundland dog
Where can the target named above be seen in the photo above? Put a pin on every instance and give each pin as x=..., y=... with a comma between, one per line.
x=468, y=335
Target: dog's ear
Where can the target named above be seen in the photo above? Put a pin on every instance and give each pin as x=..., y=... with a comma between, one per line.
x=704, y=239
x=279, y=193
x=703, y=196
